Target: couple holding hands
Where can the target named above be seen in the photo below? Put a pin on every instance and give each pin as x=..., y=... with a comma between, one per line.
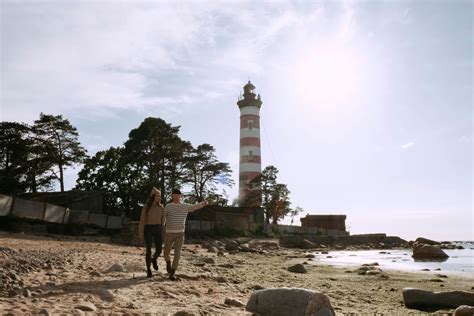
x=154, y=218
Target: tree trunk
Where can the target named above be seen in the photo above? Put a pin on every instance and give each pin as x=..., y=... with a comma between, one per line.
x=61, y=177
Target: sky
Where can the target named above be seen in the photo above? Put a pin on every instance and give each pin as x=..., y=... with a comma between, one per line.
x=367, y=105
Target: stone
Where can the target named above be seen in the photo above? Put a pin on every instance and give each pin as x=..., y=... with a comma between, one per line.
x=44, y=311
x=464, y=310
x=231, y=245
x=422, y=299
x=210, y=260
x=96, y=274
x=289, y=301
x=116, y=268
x=297, y=268
x=26, y=293
x=310, y=256
x=306, y=244
x=233, y=302
x=86, y=307
x=212, y=250
x=423, y=251
x=426, y=241
x=183, y=313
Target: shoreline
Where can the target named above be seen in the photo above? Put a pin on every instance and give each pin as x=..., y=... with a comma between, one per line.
x=65, y=273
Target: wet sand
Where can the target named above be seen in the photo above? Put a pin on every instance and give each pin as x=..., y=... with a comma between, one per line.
x=58, y=274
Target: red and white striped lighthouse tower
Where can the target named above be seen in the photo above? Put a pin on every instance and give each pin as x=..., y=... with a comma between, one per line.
x=250, y=160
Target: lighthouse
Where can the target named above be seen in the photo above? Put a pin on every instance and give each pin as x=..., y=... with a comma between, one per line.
x=250, y=164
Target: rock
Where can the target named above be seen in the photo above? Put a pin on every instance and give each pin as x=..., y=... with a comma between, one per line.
x=422, y=299
x=297, y=268
x=210, y=260
x=183, y=313
x=26, y=293
x=464, y=310
x=233, y=302
x=306, y=244
x=426, y=241
x=96, y=274
x=289, y=301
x=423, y=251
x=264, y=244
x=370, y=264
x=231, y=245
x=212, y=250
x=44, y=311
x=86, y=306
x=459, y=247
x=310, y=256
x=117, y=268
x=227, y=265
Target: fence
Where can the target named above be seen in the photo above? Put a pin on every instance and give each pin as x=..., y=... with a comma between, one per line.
x=304, y=230
x=50, y=213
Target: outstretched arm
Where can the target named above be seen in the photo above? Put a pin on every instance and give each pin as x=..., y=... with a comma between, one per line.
x=197, y=206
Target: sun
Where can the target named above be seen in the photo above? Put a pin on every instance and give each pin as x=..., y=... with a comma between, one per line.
x=327, y=78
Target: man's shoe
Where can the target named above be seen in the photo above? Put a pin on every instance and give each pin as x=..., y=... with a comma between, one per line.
x=172, y=276
x=168, y=266
x=148, y=273
x=154, y=261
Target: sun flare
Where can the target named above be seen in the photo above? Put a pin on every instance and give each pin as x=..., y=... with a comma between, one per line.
x=327, y=78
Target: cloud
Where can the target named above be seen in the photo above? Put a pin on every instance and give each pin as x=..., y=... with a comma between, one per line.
x=408, y=145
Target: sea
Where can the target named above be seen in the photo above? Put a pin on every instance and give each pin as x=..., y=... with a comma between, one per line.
x=460, y=261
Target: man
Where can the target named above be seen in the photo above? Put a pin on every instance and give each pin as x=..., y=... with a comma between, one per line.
x=175, y=215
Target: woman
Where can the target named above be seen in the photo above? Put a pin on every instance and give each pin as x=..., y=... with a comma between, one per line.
x=150, y=228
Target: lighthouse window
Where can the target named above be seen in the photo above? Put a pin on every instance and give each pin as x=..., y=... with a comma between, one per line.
x=250, y=155
x=250, y=123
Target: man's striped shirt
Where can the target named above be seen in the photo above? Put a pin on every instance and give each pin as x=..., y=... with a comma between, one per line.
x=176, y=213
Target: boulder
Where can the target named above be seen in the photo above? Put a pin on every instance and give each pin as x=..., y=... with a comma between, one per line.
x=231, y=245
x=210, y=260
x=422, y=299
x=306, y=244
x=289, y=301
x=263, y=244
x=426, y=241
x=464, y=310
x=297, y=268
x=423, y=251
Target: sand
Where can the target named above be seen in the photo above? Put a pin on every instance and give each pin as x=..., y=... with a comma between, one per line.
x=58, y=274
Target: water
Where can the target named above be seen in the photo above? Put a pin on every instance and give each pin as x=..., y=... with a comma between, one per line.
x=460, y=261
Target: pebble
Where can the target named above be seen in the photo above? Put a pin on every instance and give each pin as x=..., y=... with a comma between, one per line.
x=86, y=306
x=233, y=302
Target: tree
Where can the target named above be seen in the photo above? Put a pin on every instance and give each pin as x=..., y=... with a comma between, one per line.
x=157, y=156
x=273, y=195
x=23, y=165
x=108, y=171
x=295, y=212
x=58, y=140
x=206, y=172
x=13, y=157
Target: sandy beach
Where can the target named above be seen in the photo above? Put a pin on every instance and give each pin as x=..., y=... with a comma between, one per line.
x=68, y=275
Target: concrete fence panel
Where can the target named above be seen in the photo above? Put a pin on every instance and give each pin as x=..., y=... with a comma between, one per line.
x=54, y=213
x=97, y=219
x=28, y=209
x=199, y=225
x=114, y=222
x=78, y=217
x=5, y=204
